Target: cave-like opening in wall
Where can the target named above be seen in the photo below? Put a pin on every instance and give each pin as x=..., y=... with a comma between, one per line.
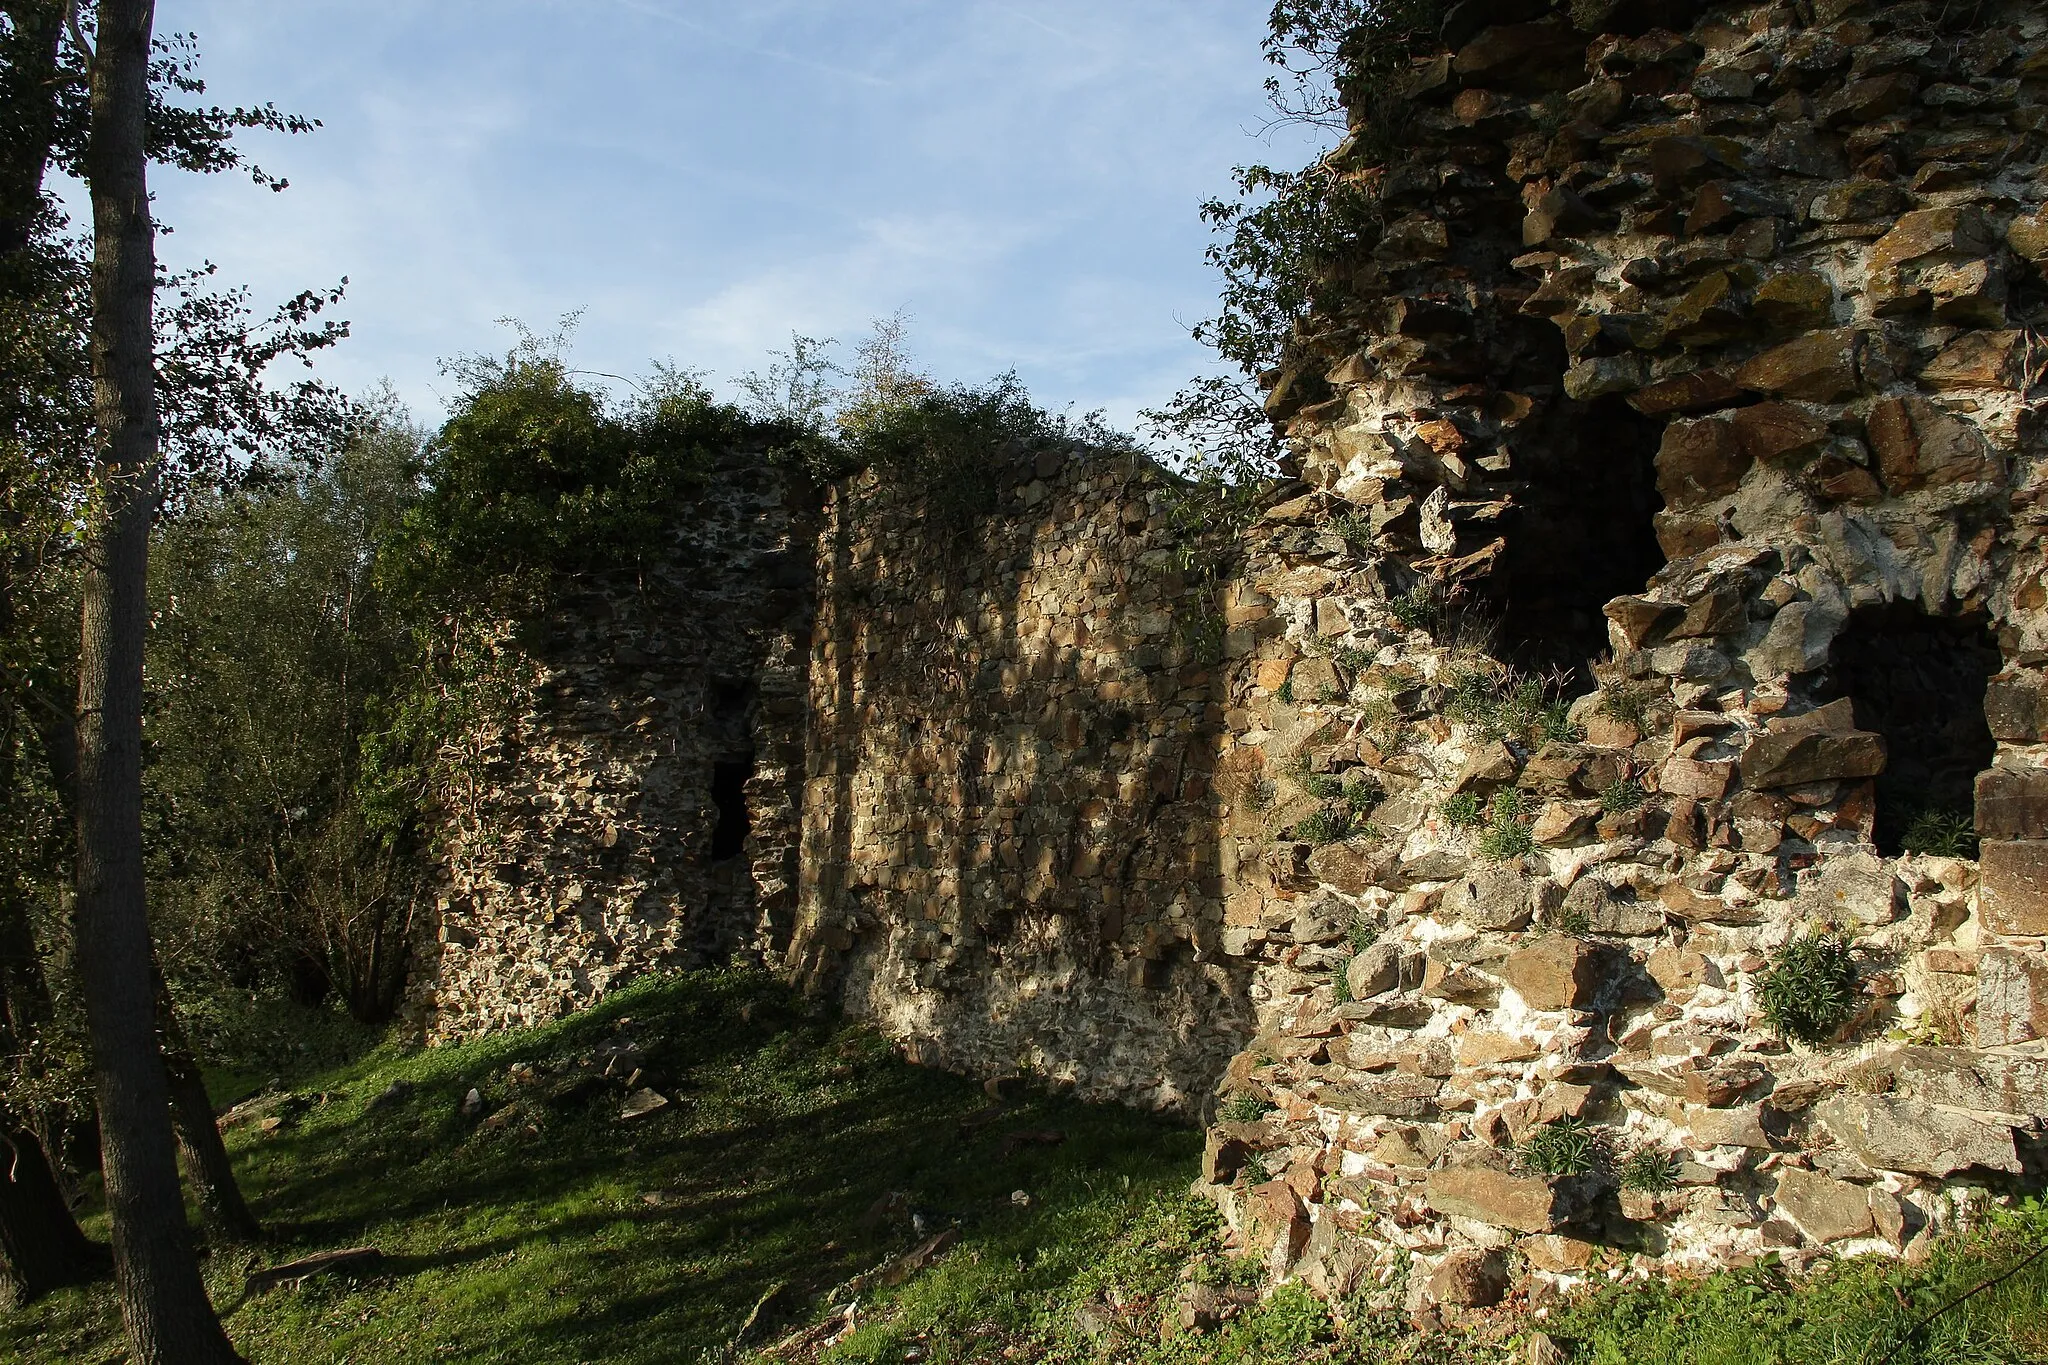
x=729, y=798
x=1583, y=532
x=1918, y=680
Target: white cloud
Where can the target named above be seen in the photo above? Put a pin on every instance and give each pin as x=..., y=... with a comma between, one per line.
x=705, y=177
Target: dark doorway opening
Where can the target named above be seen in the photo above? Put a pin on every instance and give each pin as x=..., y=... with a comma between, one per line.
x=729, y=796
x=1584, y=533
x=1919, y=681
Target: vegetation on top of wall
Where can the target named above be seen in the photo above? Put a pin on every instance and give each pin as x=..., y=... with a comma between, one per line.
x=535, y=474
x=956, y=446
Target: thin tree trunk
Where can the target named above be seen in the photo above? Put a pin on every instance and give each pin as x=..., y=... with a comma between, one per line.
x=163, y=1300
x=206, y=1158
x=41, y=1246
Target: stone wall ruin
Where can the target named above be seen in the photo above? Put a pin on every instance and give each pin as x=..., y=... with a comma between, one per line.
x=1664, y=535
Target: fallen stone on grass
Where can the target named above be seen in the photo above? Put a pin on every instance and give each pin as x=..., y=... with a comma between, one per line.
x=641, y=1103
x=900, y=1268
x=352, y=1260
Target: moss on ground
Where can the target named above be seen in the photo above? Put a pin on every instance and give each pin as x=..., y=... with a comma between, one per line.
x=653, y=1240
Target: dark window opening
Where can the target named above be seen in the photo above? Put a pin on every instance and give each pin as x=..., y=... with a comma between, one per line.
x=729, y=796
x=1583, y=533
x=1919, y=681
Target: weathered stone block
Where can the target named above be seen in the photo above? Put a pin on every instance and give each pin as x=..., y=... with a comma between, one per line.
x=2016, y=706
x=1891, y=1134
x=1351, y=868
x=2013, y=892
x=2012, y=997
x=1820, y=366
x=1857, y=888
x=1490, y=896
x=1499, y=1199
x=1700, y=779
x=1825, y=1209
x=1699, y=460
x=1920, y=444
x=2012, y=803
x=1778, y=432
x=1555, y=972
x=1787, y=760
x=1470, y=1278
x=1374, y=971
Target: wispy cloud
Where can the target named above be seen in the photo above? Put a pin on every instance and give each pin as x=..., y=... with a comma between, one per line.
x=703, y=178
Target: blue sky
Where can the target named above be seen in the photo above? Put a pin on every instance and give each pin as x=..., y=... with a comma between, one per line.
x=700, y=180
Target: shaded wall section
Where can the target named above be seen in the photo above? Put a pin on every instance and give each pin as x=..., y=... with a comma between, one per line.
x=1010, y=853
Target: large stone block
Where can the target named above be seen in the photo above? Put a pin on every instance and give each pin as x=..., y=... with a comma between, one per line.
x=1820, y=366
x=1500, y=1199
x=1555, y=972
x=2013, y=893
x=1892, y=1134
x=1788, y=760
x=2012, y=803
x=1920, y=444
x=2012, y=997
x=1700, y=460
x=2016, y=706
x=1825, y=1209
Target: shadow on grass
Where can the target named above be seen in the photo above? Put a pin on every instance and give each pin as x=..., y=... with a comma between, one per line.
x=786, y=1131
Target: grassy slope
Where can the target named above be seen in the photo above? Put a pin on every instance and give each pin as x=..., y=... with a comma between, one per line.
x=507, y=1246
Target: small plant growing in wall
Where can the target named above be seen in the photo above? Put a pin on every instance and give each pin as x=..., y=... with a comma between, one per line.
x=1364, y=933
x=1506, y=841
x=1420, y=608
x=1254, y=1170
x=1809, y=991
x=1648, y=1171
x=1945, y=834
x=1629, y=705
x=1340, y=984
x=1243, y=1107
x=1464, y=810
x=1619, y=798
x=1261, y=794
x=1507, y=834
x=1330, y=825
x=1565, y=1146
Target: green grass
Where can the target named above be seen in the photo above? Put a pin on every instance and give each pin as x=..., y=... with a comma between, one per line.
x=789, y=1127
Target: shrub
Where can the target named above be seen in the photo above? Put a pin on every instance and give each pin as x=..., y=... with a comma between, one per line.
x=1364, y=933
x=1362, y=795
x=1946, y=834
x=1621, y=797
x=1340, y=984
x=1567, y=1146
x=1809, y=990
x=1286, y=692
x=1254, y=1170
x=1322, y=786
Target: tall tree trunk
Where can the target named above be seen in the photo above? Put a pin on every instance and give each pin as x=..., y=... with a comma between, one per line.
x=163, y=1300
x=41, y=1246
x=206, y=1156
